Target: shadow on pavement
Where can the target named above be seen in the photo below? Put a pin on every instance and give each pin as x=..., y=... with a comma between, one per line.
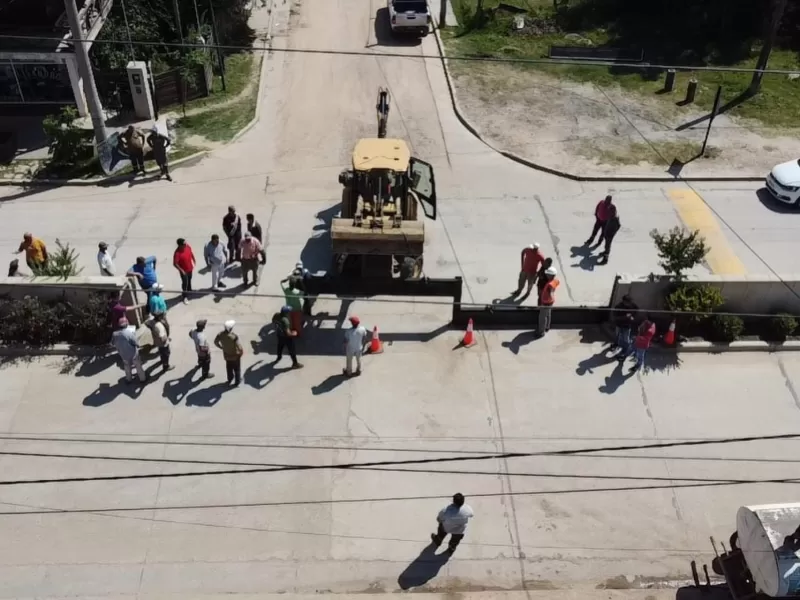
x=89, y=366
x=661, y=361
x=316, y=254
x=207, y=397
x=107, y=393
x=423, y=568
x=588, y=261
x=588, y=365
x=774, y=205
x=329, y=384
x=616, y=379
x=261, y=374
x=175, y=390
x=521, y=339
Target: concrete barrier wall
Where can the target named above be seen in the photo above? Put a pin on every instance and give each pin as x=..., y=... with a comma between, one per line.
x=762, y=294
x=75, y=290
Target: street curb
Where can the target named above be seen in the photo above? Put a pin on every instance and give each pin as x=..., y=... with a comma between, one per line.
x=716, y=347
x=558, y=173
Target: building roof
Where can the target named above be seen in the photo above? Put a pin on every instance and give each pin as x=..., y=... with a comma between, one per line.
x=381, y=153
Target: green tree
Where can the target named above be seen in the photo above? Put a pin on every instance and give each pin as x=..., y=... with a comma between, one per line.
x=67, y=141
x=679, y=250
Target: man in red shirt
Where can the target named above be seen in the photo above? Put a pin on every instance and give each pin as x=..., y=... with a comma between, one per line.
x=530, y=261
x=602, y=212
x=641, y=343
x=183, y=260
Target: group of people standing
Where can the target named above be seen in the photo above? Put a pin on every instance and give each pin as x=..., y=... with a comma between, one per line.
x=633, y=332
x=537, y=270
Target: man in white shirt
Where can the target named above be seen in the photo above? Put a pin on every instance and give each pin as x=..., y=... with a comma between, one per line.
x=354, y=346
x=104, y=260
x=216, y=256
x=453, y=521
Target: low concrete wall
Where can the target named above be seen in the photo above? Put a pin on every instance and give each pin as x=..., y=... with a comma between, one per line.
x=75, y=290
x=761, y=294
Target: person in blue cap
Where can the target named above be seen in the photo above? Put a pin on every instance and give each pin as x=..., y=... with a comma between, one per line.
x=285, y=335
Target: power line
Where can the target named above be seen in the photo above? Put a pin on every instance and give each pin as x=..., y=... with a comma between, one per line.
x=458, y=57
x=394, y=463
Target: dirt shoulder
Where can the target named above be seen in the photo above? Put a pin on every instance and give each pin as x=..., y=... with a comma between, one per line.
x=589, y=130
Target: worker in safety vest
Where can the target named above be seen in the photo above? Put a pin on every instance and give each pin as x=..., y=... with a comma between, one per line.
x=547, y=299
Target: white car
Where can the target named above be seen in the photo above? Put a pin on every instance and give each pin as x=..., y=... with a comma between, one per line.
x=409, y=16
x=783, y=182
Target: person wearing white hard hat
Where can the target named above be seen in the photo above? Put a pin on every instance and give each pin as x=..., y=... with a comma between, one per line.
x=547, y=299
x=232, y=351
x=530, y=260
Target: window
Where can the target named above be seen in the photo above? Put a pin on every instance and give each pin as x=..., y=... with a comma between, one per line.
x=417, y=6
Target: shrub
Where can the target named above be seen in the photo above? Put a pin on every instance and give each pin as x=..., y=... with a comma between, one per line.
x=62, y=263
x=67, y=141
x=679, y=250
x=781, y=326
x=726, y=328
x=698, y=299
x=32, y=322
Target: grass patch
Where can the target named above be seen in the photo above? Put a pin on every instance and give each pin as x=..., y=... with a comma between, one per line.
x=777, y=104
x=665, y=152
x=238, y=74
x=221, y=125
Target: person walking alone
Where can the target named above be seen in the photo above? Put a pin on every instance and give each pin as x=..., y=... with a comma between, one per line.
x=184, y=261
x=610, y=230
x=285, y=336
x=159, y=143
x=232, y=226
x=104, y=260
x=354, y=340
x=216, y=257
x=453, y=520
x=601, y=215
x=127, y=346
x=250, y=251
x=546, y=300
x=232, y=351
x=198, y=335
x=531, y=259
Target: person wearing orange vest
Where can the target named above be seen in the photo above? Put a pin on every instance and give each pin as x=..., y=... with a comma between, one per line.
x=641, y=343
x=530, y=261
x=547, y=299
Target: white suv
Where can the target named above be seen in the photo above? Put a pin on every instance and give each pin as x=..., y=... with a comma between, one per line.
x=783, y=182
x=409, y=16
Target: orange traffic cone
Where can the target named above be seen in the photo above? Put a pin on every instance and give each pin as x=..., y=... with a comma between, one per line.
x=375, y=345
x=469, y=336
x=669, y=337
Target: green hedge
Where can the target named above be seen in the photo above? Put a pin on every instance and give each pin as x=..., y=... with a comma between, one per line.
x=32, y=322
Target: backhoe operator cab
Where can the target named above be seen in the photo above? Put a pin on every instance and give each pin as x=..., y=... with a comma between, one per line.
x=378, y=232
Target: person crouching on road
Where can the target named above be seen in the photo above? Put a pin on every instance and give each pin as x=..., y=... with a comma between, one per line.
x=198, y=335
x=547, y=299
x=354, y=339
x=453, y=520
x=232, y=351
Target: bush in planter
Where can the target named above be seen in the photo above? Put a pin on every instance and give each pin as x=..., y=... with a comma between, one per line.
x=679, y=250
x=34, y=323
x=701, y=300
x=726, y=328
x=62, y=263
x=781, y=326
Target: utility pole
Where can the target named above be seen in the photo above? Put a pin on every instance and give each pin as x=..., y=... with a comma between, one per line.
x=178, y=20
x=85, y=71
x=220, y=55
x=128, y=29
x=778, y=8
x=197, y=17
x=443, y=14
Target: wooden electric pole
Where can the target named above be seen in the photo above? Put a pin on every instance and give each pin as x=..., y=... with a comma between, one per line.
x=778, y=8
x=85, y=71
x=443, y=14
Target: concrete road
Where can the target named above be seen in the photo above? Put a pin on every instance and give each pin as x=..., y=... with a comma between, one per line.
x=542, y=521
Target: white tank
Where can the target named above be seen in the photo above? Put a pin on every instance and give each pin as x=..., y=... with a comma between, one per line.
x=762, y=530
